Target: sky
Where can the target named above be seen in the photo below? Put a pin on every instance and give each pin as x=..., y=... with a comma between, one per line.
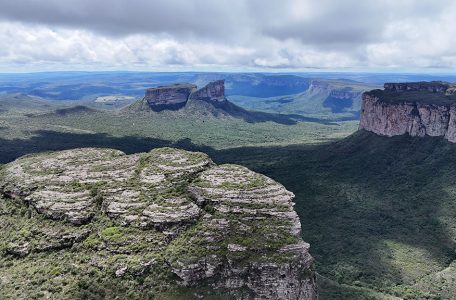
x=227, y=35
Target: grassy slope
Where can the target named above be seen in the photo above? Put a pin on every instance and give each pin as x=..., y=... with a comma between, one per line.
x=190, y=126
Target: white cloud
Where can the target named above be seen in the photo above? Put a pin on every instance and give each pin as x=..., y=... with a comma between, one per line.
x=218, y=35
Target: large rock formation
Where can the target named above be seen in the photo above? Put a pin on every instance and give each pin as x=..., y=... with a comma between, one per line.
x=175, y=96
x=418, y=109
x=165, y=220
x=169, y=97
x=212, y=92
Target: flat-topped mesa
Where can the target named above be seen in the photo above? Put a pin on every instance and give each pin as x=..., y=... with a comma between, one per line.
x=212, y=92
x=172, y=213
x=169, y=97
x=416, y=108
x=337, y=92
x=174, y=97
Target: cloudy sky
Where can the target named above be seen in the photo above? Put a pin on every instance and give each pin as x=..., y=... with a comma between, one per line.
x=223, y=35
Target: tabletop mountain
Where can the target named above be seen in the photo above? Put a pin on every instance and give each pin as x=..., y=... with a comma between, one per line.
x=416, y=108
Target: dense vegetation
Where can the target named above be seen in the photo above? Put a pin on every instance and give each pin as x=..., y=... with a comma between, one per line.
x=422, y=97
x=378, y=212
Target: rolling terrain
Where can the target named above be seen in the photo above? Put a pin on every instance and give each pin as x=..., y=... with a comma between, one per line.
x=377, y=211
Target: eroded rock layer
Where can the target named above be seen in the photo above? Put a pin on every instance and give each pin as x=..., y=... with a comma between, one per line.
x=417, y=109
x=169, y=97
x=212, y=92
x=170, y=217
x=174, y=97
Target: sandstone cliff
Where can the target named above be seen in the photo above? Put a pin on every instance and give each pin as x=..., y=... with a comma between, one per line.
x=169, y=97
x=417, y=109
x=212, y=92
x=150, y=224
x=176, y=96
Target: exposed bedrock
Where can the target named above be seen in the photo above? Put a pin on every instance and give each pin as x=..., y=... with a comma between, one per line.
x=174, y=97
x=212, y=92
x=169, y=97
x=417, y=109
x=218, y=227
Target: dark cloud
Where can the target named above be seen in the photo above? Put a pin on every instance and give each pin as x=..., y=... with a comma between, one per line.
x=120, y=17
x=229, y=33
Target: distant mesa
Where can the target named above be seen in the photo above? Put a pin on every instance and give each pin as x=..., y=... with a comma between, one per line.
x=414, y=108
x=169, y=97
x=212, y=92
x=174, y=97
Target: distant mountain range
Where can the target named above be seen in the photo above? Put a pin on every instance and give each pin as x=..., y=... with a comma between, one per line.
x=334, y=96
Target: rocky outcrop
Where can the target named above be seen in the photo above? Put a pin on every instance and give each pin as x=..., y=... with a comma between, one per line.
x=341, y=93
x=169, y=97
x=417, y=109
x=213, y=92
x=174, y=97
x=169, y=214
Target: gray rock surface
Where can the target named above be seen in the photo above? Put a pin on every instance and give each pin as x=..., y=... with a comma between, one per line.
x=174, y=97
x=414, y=113
x=212, y=92
x=223, y=227
x=169, y=97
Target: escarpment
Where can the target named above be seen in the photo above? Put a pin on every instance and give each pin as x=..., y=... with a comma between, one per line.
x=341, y=93
x=155, y=223
x=176, y=96
x=417, y=109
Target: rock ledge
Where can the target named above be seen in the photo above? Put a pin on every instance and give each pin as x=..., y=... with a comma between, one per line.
x=221, y=227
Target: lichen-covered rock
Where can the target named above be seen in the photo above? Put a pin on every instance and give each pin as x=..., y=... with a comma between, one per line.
x=417, y=109
x=169, y=215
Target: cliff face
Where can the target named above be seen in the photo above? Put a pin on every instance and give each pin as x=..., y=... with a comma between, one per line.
x=169, y=97
x=156, y=222
x=417, y=109
x=213, y=92
x=174, y=97
x=341, y=93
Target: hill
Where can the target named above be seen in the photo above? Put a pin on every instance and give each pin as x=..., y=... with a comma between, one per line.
x=96, y=223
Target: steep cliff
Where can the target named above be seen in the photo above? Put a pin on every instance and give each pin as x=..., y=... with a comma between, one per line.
x=169, y=97
x=212, y=92
x=174, y=97
x=418, y=109
x=147, y=225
